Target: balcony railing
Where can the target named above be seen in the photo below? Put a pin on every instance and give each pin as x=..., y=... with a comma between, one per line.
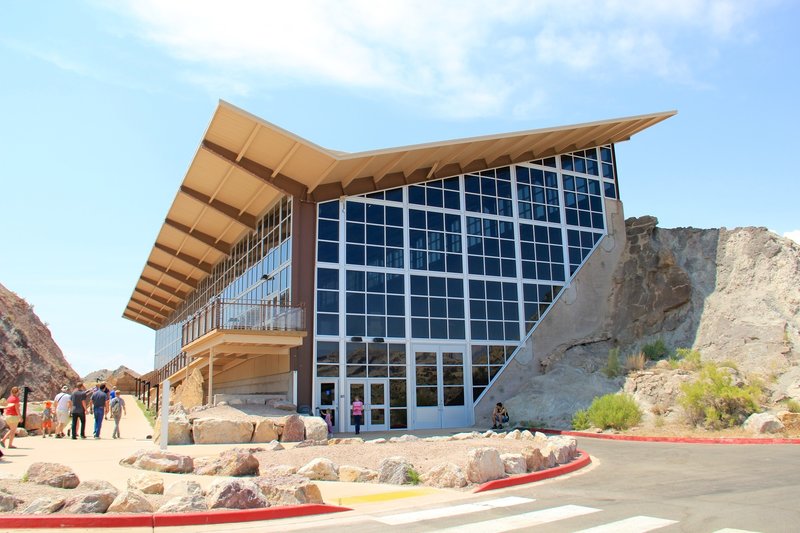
x=238, y=314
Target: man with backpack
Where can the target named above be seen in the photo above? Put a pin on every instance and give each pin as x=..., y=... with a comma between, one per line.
x=117, y=405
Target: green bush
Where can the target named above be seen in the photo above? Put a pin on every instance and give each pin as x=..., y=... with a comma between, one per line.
x=613, y=367
x=618, y=411
x=413, y=476
x=715, y=402
x=580, y=420
x=655, y=350
x=686, y=359
x=793, y=406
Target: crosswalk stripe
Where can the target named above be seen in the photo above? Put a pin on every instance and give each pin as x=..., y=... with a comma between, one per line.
x=443, y=512
x=731, y=530
x=634, y=524
x=535, y=518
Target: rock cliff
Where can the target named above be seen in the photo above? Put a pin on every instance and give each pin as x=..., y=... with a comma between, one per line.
x=734, y=295
x=28, y=354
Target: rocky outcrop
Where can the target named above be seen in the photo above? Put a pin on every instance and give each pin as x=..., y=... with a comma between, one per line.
x=30, y=355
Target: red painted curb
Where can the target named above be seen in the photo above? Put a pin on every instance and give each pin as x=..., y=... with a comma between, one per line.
x=684, y=440
x=582, y=460
x=166, y=519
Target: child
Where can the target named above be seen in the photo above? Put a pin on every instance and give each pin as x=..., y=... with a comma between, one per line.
x=47, y=419
x=326, y=414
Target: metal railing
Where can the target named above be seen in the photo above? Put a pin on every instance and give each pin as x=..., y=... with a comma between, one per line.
x=239, y=314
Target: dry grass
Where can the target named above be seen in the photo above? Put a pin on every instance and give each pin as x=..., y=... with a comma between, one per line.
x=635, y=362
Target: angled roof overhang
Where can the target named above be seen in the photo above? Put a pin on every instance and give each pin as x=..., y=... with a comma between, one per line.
x=245, y=164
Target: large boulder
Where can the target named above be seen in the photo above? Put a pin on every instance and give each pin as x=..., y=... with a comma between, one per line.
x=514, y=463
x=33, y=421
x=445, y=475
x=184, y=504
x=179, y=429
x=484, y=464
x=356, y=474
x=53, y=475
x=98, y=484
x=234, y=462
x=147, y=483
x=316, y=428
x=535, y=460
x=190, y=392
x=763, y=423
x=564, y=449
x=394, y=470
x=320, y=469
x=183, y=488
x=221, y=431
x=89, y=502
x=790, y=421
x=265, y=431
x=289, y=490
x=235, y=494
x=294, y=430
x=131, y=501
x=159, y=461
x=45, y=505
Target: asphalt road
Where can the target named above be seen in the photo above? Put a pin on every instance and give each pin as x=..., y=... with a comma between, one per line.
x=663, y=486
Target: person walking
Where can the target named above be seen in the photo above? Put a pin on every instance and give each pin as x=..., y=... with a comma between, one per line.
x=117, y=407
x=61, y=402
x=47, y=419
x=99, y=406
x=11, y=414
x=77, y=407
x=358, y=413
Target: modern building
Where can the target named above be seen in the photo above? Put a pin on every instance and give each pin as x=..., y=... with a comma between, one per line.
x=408, y=276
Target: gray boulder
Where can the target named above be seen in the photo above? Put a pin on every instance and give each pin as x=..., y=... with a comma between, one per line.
x=183, y=488
x=316, y=428
x=514, y=463
x=394, y=470
x=233, y=462
x=89, y=502
x=158, y=461
x=53, y=475
x=131, y=501
x=235, y=494
x=763, y=423
x=184, y=504
x=289, y=490
x=44, y=505
x=8, y=502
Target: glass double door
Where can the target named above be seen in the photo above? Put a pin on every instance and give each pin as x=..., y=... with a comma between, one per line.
x=374, y=393
x=440, y=390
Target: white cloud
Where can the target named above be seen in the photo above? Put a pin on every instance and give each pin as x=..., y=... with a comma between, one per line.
x=794, y=235
x=462, y=58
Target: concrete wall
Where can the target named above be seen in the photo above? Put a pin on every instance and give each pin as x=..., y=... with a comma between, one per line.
x=579, y=314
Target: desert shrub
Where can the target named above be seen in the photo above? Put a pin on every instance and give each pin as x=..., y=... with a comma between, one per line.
x=580, y=420
x=634, y=361
x=618, y=411
x=714, y=401
x=686, y=359
x=613, y=368
x=413, y=476
x=655, y=350
x=793, y=406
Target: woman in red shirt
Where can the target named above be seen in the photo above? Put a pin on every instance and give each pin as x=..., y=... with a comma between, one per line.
x=12, y=418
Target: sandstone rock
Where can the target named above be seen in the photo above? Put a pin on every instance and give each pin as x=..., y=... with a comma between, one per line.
x=160, y=462
x=52, y=474
x=377, y=441
x=316, y=428
x=514, y=435
x=763, y=423
x=466, y=435
x=534, y=459
x=278, y=470
x=404, y=438
x=221, y=431
x=8, y=502
x=184, y=504
x=190, y=392
x=233, y=462
x=294, y=429
x=487, y=434
x=283, y=405
x=484, y=464
x=564, y=448
x=289, y=490
x=89, y=502
x=235, y=494
x=445, y=475
x=539, y=438
x=33, y=421
x=321, y=469
x=44, y=505
x=308, y=443
x=98, y=484
x=180, y=429
x=514, y=463
x=438, y=438
x=790, y=421
x=274, y=446
x=526, y=435
x=394, y=470
x=183, y=488
x=147, y=483
x=345, y=440
x=131, y=501
x=356, y=474
x=265, y=431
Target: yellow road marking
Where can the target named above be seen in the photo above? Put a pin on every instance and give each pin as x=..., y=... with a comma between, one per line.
x=385, y=496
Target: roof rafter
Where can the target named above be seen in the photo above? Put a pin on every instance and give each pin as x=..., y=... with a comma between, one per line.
x=156, y=298
x=192, y=261
x=149, y=307
x=172, y=290
x=208, y=240
x=245, y=219
x=186, y=280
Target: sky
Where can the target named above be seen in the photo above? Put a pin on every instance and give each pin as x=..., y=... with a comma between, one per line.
x=104, y=104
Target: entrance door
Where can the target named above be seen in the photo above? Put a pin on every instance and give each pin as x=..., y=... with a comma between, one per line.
x=375, y=395
x=327, y=398
x=439, y=386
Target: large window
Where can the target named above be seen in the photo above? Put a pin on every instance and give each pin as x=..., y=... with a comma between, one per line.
x=375, y=304
x=435, y=241
x=437, y=308
x=489, y=192
x=374, y=235
x=494, y=310
x=490, y=247
x=542, y=252
x=537, y=193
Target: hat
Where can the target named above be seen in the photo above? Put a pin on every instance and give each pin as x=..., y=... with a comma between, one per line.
x=64, y=388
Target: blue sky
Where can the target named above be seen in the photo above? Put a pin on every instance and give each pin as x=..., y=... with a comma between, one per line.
x=104, y=104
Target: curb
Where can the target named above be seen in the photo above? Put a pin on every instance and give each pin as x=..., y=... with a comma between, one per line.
x=681, y=440
x=106, y=521
x=582, y=461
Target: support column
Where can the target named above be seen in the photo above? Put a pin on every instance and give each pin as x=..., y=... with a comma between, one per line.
x=211, y=376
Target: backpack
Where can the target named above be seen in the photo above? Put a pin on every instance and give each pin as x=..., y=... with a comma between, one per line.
x=116, y=407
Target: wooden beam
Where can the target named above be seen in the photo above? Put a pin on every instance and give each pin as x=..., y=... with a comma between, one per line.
x=419, y=175
x=150, y=307
x=390, y=181
x=199, y=264
x=186, y=280
x=197, y=235
x=453, y=169
x=328, y=191
x=144, y=312
x=283, y=183
x=360, y=186
x=181, y=295
x=245, y=219
x=502, y=161
x=163, y=301
x=130, y=315
x=475, y=166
